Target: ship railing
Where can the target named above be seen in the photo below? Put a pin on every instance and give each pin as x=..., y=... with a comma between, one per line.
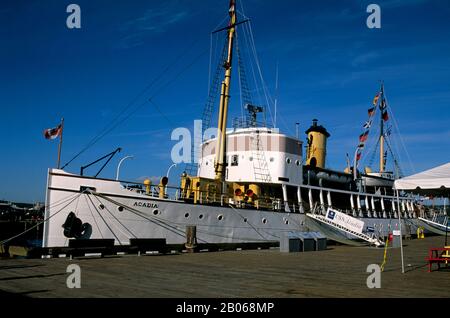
x=246, y=123
x=262, y=203
x=211, y=198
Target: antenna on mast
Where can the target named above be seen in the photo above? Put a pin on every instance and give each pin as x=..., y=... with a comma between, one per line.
x=276, y=99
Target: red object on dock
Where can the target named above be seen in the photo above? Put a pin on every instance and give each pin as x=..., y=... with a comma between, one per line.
x=435, y=257
x=391, y=237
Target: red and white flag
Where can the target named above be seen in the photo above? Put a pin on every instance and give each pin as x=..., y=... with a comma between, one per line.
x=53, y=133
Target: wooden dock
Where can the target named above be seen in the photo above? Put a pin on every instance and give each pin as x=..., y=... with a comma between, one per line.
x=339, y=271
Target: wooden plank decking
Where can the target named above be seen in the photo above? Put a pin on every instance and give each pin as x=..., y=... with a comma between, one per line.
x=339, y=271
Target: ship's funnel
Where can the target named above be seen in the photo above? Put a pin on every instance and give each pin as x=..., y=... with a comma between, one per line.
x=317, y=145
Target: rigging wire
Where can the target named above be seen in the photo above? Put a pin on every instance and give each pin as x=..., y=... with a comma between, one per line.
x=208, y=110
x=246, y=37
x=373, y=142
x=396, y=164
x=252, y=46
x=166, y=224
x=215, y=50
x=153, y=219
x=254, y=228
x=210, y=61
x=239, y=77
x=101, y=216
x=93, y=217
x=116, y=120
x=123, y=225
x=397, y=128
x=373, y=152
x=39, y=223
x=401, y=145
x=263, y=84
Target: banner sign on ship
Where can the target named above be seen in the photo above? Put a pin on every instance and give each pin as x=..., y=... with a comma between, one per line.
x=345, y=220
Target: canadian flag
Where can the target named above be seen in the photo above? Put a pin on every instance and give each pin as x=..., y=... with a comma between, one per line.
x=53, y=133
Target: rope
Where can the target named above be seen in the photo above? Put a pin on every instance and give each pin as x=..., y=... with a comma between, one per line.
x=394, y=158
x=37, y=224
x=104, y=220
x=400, y=137
x=252, y=46
x=239, y=76
x=132, y=234
x=92, y=214
x=373, y=152
x=171, y=228
x=254, y=228
x=386, y=243
x=76, y=214
x=211, y=51
x=139, y=213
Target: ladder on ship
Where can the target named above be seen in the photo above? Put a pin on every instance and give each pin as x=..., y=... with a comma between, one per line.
x=364, y=237
x=260, y=166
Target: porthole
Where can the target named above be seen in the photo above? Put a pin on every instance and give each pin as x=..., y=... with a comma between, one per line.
x=297, y=162
x=200, y=216
x=220, y=217
x=120, y=208
x=155, y=212
x=101, y=207
x=288, y=160
x=272, y=159
x=250, y=158
x=186, y=215
x=245, y=220
x=286, y=222
x=264, y=220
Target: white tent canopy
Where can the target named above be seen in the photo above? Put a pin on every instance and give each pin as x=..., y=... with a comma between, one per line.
x=433, y=181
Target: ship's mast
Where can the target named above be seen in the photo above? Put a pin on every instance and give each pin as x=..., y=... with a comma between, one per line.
x=382, y=105
x=224, y=98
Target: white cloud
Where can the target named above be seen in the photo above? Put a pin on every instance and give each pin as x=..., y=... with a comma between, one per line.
x=401, y=3
x=154, y=21
x=363, y=59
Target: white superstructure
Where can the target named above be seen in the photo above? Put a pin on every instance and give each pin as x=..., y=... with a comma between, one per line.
x=256, y=155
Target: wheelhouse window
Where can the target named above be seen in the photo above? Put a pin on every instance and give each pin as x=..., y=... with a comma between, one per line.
x=234, y=160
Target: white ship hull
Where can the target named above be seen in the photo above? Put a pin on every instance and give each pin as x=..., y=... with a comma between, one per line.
x=144, y=216
x=112, y=211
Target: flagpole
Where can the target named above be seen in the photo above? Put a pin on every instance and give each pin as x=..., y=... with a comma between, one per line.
x=60, y=143
x=355, y=164
x=400, y=228
x=382, y=109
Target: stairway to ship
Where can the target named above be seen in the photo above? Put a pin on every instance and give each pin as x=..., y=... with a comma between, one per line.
x=322, y=219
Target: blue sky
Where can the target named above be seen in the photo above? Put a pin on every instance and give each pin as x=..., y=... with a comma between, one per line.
x=329, y=62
